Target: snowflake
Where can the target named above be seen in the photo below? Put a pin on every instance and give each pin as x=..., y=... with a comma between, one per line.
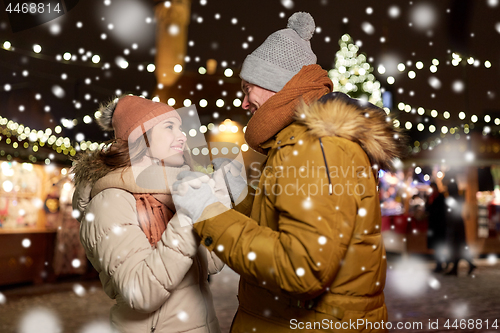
x=288, y=4
x=38, y=318
x=394, y=11
x=368, y=28
x=423, y=15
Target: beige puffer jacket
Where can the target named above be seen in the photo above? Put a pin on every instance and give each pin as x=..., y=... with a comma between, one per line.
x=162, y=289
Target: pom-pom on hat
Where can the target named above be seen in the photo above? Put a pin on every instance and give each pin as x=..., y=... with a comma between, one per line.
x=282, y=55
x=131, y=116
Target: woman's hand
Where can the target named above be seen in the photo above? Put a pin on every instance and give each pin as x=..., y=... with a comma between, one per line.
x=192, y=193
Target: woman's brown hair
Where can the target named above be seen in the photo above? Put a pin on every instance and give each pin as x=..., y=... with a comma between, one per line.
x=117, y=153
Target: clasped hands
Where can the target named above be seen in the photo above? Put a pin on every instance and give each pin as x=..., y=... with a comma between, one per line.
x=194, y=191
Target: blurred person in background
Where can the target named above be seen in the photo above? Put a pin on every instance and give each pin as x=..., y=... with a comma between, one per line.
x=455, y=227
x=436, y=234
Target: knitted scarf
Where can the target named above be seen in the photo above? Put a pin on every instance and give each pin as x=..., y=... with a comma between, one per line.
x=277, y=112
x=154, y=211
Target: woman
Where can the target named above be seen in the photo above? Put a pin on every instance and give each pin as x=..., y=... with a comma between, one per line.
x=146, y=260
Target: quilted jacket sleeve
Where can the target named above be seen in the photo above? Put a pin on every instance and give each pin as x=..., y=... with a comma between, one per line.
x=142, y=275
x=215, y=265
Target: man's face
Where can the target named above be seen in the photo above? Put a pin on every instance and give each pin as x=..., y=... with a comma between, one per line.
x=255, y=96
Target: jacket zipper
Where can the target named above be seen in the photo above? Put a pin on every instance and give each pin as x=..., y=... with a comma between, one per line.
x=330, y=185
x=156, y=319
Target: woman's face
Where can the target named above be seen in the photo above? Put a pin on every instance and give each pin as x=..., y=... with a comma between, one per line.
x=167, y=142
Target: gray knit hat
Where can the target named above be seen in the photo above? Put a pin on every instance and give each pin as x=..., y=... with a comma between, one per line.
x=282, y=55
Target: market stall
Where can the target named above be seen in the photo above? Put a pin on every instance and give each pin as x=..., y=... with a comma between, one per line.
x=475, y=162
x=38, y=235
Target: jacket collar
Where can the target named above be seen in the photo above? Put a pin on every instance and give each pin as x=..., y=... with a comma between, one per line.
x=337, y=115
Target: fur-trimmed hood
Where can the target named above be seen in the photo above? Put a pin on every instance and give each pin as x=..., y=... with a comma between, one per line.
x=88, y=168
x=336, y=114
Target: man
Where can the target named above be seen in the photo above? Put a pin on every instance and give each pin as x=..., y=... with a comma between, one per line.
x=307, y=241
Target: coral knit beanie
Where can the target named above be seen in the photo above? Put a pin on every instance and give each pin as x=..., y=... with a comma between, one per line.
x=131, y=116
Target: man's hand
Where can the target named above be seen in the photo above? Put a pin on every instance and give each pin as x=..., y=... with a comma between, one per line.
x=192, y=193
x=230, y=171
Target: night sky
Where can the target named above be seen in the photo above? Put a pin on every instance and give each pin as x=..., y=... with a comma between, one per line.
x=38, y=90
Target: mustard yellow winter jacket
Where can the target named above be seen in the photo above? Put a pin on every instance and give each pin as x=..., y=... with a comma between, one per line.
x=306, y=242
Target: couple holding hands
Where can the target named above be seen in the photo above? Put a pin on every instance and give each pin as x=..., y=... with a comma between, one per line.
x=154, y=229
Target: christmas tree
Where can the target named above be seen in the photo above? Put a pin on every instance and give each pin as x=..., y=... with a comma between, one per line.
x=352, y=75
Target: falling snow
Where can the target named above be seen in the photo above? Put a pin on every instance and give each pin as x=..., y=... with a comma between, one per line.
x=423, y=16
x=492, y=3
x=183, y=316
x=288, y=4
x=79, y=289
x=458, y=86
x=390, y=62
x=394, y=11
x=102, y=326
x=75, y=263
x=26, y=243
x=460, y=310
x=410, y=276
x=39, y=320
x=58, y=91
x=434, y=283
x=492, y=259
x=434, y=82
x=368, y=28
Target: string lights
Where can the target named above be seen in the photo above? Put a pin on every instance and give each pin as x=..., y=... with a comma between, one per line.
x=93, y=60
x=352, y=75
x=456, y=59
x=32, y=138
